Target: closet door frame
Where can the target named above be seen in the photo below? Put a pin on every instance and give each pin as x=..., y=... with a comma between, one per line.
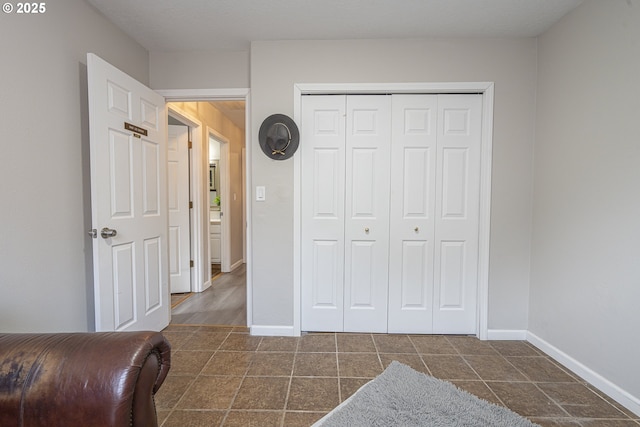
x=486, y=89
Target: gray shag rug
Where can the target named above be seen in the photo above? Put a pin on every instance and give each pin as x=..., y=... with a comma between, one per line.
x=401, y=396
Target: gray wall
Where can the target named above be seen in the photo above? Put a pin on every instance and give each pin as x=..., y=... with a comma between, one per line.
x=199, y=70
x=511, y=64
x=585, y=276
x=45, y=253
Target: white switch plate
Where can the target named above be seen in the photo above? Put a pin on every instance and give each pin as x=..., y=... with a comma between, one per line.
x=261, y=195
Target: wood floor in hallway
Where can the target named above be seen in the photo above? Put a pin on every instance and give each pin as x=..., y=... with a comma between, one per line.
x=224, y=303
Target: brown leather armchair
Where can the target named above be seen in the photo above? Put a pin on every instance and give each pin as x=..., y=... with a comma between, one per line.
x=95, y=379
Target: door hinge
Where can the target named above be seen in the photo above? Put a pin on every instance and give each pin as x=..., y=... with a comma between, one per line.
x=190, y=145
x=190, y=205
x=191, y=263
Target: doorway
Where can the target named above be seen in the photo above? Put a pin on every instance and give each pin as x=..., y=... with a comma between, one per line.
x=211, y=117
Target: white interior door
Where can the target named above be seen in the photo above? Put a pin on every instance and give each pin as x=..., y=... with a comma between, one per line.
x=457, y=214
x=412, y=225
x=368, y=144
x=129, y=200
x=322, y=211
x=178, y=204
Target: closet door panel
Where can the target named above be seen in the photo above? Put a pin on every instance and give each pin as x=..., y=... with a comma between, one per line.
x=455, y=182
x=326, y=172
x=414, y=287
x=457, y=213
x=363, y=180
x=326, y=282
x=413, y=169
x=368, y=137
x=361, y=268
x=322, y=211
x=452, y=275
x=417, y=181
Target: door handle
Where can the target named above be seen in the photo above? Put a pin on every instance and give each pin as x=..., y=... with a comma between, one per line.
x=108, y=232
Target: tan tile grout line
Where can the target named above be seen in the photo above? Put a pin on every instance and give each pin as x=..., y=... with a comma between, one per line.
x=524, y=374
x=172, y=409
x=577, y=379
x=475, y=372
x=244, y=377
x=286, y=399
x=195, y=377
x=535, y=383
x=335, y=337
x=420, y=356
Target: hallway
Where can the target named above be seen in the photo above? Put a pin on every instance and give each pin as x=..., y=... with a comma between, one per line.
x=224, y=303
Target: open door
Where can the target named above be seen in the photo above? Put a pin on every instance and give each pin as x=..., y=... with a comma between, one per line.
x=128, y=150
x=178, y=184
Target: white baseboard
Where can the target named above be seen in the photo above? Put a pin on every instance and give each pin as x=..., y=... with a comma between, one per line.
x=206, y=285
x=620, y=395
x=236, y=265
x=506, y=334
x=272, y=331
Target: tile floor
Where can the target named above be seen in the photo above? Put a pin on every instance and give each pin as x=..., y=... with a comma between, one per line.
x=222, y=376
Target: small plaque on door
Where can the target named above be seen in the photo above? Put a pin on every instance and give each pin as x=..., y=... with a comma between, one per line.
x=135, y=129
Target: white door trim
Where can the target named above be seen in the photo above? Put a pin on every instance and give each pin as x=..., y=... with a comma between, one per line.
x=484, y=88
x=195, y=95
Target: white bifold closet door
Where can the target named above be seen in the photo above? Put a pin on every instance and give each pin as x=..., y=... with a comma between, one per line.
x=390, y=212
x=322, y=135
x=435, y=181
x=345, y=209
x=366, y=223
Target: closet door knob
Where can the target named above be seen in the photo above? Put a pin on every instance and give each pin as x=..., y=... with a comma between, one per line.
x=416, y=229
x=366, y=229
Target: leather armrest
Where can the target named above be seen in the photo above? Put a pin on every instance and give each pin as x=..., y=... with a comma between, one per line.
x=81, y=379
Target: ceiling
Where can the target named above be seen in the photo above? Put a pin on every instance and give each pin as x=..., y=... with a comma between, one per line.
x=233, y=110
x=202, y=25
x=206, y=25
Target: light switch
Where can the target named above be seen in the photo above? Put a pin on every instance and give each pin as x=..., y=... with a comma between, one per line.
x=261, y=194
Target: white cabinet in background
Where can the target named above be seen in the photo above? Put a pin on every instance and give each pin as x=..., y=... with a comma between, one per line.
x=215, y=242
